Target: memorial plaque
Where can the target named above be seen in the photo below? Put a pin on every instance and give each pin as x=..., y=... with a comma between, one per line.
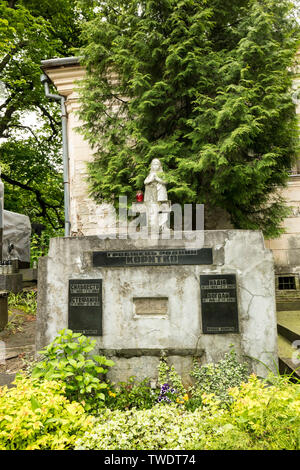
x=162, y=257
x=85, y=306
x=219, y=303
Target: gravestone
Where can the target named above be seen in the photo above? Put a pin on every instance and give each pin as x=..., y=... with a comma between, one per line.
x=189, y=297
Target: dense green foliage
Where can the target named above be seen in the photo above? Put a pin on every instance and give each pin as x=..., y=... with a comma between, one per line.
x=260, y=417
x=30, y=124
x=68, y=359
x=37, y=415
x=205, y=87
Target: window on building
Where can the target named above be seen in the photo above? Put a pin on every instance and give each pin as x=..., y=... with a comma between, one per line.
x=286, y=283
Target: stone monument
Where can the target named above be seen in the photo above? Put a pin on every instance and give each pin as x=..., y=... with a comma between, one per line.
x=188, y=297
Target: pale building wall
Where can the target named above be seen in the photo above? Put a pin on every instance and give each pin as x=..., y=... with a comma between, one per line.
x=89, y=218
x=286, y=249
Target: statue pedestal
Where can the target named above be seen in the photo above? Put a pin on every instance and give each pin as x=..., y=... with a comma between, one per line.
x=152, y=216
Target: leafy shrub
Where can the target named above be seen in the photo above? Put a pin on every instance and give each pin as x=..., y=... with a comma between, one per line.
x=37, y=415
x=259, y=417
x=68, y=359
x=161, y=427
x=218, y=378
x=131, y=394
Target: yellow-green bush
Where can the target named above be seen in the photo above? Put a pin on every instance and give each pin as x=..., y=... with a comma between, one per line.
x=269, y=414
x=260, y=417
x=37, y=415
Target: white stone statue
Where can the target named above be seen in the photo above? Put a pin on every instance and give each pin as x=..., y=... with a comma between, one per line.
x=156, y=206
x=155, y=186
x=156, y=198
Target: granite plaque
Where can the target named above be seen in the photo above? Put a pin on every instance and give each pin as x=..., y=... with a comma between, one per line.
x=161, y=257
x=219, y=303
x=85, y=306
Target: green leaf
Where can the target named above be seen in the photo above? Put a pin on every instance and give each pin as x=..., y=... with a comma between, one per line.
x=34, y=403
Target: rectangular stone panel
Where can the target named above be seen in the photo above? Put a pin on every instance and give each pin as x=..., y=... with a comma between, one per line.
x=85, y=306
x=219, y=305
x=159, y=257
x=150, y=305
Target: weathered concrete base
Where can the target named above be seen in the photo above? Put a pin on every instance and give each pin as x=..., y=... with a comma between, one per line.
x=11, y=282
x=147, y=366
x=29, y=274
x=135, y=341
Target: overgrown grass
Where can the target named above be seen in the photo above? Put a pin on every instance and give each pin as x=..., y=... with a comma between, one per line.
x=25, y=301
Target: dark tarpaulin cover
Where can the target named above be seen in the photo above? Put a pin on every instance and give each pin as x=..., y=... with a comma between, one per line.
x=17, y=230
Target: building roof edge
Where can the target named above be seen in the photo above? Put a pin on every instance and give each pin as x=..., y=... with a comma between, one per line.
x=60, y=62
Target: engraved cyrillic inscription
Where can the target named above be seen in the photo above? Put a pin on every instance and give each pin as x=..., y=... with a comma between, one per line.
x=153, y=257
x=219, y=303
x=85, y=306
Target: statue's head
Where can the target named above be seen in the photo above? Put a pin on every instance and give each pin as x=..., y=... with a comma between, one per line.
x=156, y=166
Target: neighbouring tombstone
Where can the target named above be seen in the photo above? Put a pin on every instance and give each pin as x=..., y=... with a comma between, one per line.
x=17, y=232
x=12, y=239
x=3, y=309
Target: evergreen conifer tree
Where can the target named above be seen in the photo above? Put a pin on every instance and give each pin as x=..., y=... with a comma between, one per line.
x=204, y=85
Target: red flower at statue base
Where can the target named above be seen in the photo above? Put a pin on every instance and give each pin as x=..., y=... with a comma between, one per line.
x=139, y=196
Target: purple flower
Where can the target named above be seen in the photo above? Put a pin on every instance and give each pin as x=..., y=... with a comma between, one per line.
x=164, y=391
